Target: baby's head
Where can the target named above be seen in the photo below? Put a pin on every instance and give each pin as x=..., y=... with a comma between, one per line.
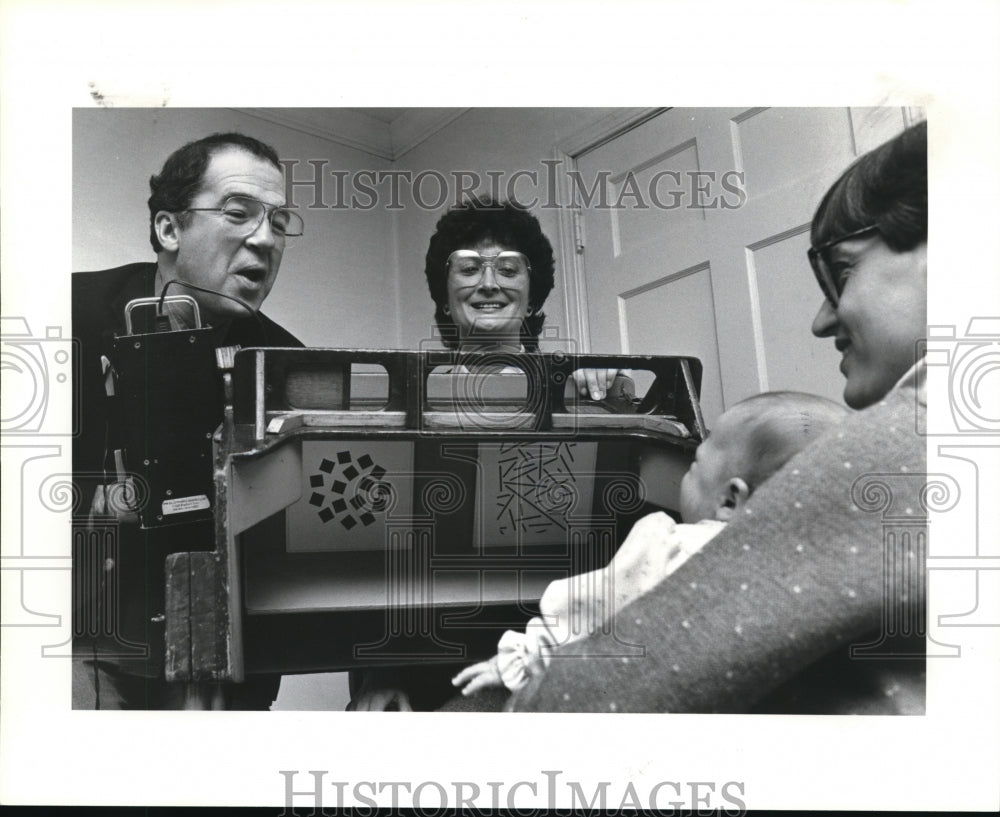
x=749, y=443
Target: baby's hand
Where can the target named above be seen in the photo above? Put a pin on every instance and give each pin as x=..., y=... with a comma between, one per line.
x=479, y=676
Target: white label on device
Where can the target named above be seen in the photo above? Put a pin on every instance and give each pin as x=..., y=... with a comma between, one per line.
x=185, y=504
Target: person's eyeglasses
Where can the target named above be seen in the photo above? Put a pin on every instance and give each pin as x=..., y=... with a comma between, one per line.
x=472, y=265
x=246, y=215
x=827, y=278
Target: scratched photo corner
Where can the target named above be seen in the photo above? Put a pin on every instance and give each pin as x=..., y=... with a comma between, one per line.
x=608, y=425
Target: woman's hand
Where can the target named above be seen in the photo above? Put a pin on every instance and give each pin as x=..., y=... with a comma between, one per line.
x=593, y=384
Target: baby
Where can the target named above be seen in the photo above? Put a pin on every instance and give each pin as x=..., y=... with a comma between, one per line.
x=749, y=443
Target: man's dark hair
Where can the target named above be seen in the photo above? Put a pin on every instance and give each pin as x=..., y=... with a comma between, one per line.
x=886, y=187
x=180, y=179
x=507, y=224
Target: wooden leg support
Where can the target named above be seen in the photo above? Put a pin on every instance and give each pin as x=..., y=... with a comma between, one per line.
x=196, y=631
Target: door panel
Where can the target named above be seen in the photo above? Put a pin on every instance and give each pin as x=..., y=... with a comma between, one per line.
x=648, y=276
x=780, y=146
x=787, y=303
x=639, y=225
x=679, y=263
x=665, y=307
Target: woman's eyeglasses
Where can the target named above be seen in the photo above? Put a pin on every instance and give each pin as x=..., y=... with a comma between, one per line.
x=471, y=264
x=246, y=215
x=827, y=278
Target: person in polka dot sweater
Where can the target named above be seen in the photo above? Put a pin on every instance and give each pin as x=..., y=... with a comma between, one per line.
x=749, y=443
x=796, y=605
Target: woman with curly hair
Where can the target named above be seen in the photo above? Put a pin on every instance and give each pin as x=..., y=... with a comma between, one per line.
x=489, y=268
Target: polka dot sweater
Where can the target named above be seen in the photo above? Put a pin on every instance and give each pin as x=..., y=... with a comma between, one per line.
x=791, y=584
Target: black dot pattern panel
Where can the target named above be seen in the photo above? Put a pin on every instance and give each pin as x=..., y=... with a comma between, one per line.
x=345, y=490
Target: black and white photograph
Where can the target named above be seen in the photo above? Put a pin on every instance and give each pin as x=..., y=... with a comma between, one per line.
x=459, y=447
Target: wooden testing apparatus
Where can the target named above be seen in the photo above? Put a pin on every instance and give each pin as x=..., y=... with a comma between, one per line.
x=386, y=508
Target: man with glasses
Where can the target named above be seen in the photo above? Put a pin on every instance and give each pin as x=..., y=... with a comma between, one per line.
x=219, y=226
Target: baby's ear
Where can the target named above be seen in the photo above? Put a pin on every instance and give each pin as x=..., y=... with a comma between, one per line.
x=734, y=497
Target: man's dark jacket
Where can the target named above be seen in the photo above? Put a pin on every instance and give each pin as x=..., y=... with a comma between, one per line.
x=133, y=581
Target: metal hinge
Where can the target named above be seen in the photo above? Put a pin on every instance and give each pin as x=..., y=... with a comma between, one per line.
x=578, y=235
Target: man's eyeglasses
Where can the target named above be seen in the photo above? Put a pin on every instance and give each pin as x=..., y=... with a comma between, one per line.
x=246, y=215
x=827, y=278
x=470, y=264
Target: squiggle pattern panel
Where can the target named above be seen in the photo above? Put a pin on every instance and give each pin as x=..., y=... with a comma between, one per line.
x=538, y=485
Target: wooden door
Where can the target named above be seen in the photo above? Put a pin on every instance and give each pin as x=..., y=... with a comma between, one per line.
x=699, y=245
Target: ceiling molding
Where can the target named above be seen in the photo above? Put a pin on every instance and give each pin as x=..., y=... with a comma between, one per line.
x=605, y=129
x=355, y=129
x=416, y=125
x=342, y=126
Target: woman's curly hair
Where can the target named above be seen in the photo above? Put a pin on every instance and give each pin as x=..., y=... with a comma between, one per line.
x=507, y=224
